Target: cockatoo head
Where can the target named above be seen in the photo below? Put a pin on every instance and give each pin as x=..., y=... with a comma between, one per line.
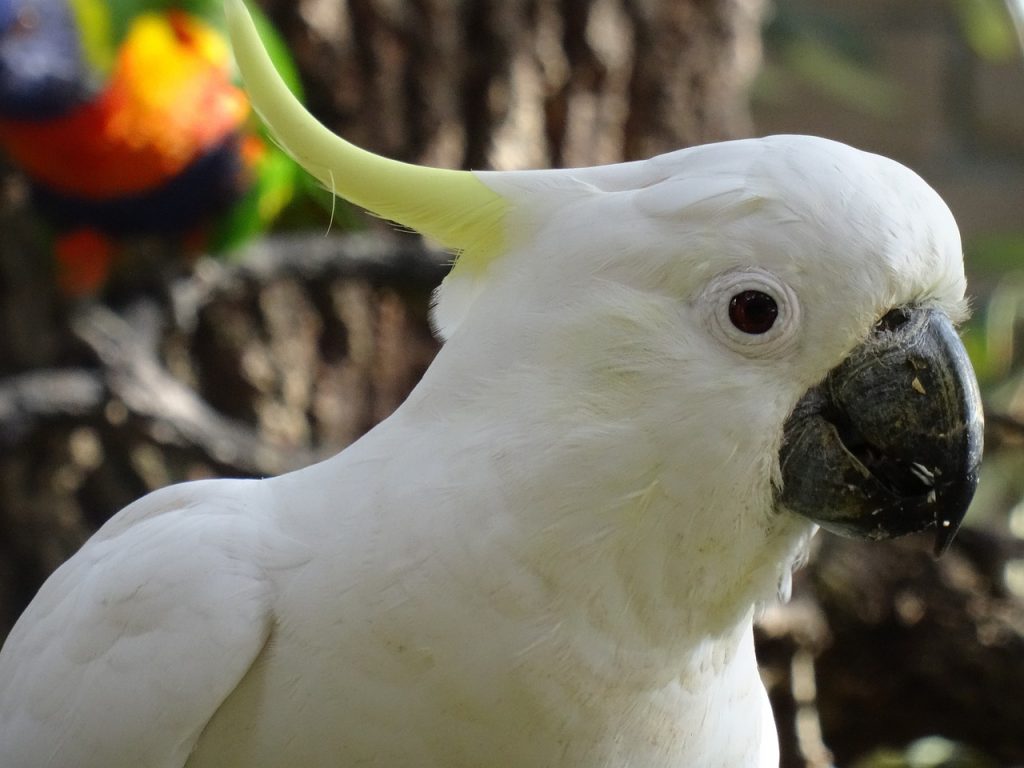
x=774, y=317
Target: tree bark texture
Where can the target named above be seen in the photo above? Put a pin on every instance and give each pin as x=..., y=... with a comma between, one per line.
x=526, y=83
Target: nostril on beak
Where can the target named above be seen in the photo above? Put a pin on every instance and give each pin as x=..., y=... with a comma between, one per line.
x=892, y=320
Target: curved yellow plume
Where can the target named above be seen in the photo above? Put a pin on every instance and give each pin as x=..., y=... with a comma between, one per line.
x=453, y=207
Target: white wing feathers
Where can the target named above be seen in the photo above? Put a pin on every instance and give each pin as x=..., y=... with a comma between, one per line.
x=128, y=650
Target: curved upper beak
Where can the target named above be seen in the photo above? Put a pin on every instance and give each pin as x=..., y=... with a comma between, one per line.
x=890, y=442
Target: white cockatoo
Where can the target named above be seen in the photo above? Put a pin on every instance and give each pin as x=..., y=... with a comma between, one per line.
x=658, y=377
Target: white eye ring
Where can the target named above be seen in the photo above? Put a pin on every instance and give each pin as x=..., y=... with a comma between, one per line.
x=778, y=339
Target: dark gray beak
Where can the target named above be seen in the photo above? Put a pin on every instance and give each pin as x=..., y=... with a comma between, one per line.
x=890, y=442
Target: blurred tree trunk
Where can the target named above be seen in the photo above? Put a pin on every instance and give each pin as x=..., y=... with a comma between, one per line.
x=526, y=83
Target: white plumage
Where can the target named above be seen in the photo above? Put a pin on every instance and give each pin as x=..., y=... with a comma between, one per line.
x=552, y=553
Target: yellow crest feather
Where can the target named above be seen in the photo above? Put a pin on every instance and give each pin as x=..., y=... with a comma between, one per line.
x=453, y=207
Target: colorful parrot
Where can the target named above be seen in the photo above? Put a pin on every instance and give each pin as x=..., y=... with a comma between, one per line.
x=125, y=116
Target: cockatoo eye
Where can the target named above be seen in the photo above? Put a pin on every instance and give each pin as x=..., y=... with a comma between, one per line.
x=752, y=312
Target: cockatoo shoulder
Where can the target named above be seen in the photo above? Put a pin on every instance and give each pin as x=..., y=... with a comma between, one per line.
x=155, y=621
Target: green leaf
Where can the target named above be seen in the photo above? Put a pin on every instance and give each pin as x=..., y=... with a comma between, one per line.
x=988, y=28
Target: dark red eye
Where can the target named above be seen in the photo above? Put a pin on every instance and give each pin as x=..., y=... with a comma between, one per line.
x=753, y=312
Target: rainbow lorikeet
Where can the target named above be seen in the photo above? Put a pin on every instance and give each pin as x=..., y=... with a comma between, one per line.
x=125, y=116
